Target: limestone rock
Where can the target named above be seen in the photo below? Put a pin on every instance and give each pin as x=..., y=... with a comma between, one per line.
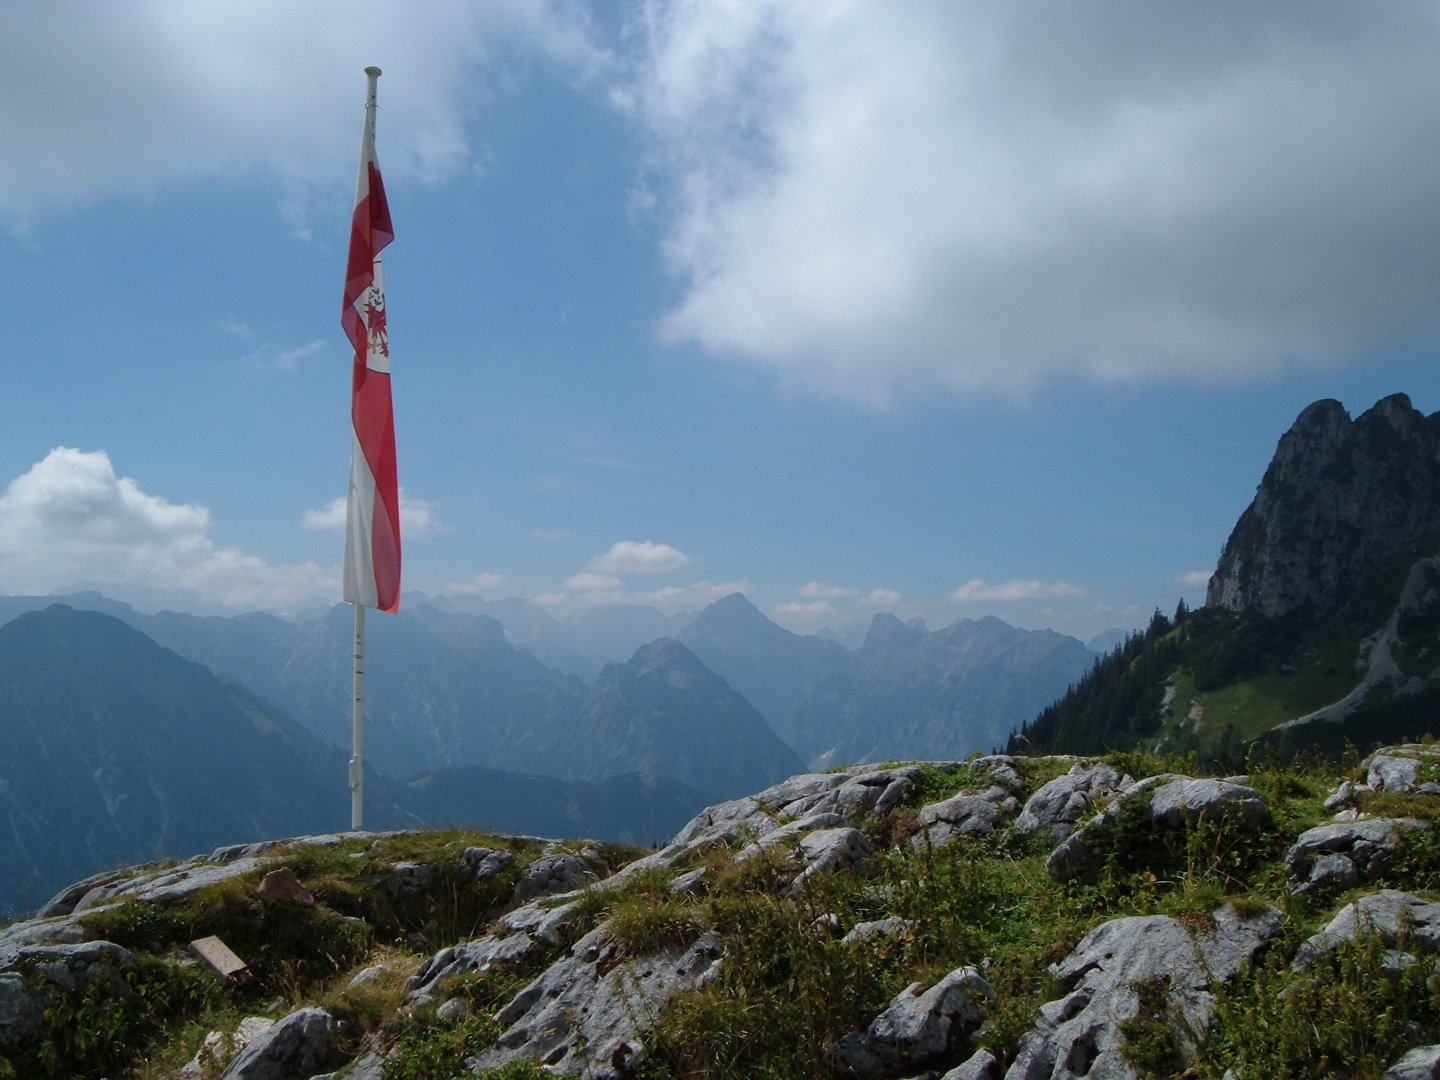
x=21, y=1011
x=589, y=1013
x=1079, y=1034
x=90, y=963
x=483, y=954
x=1367, y=843
x=892, y=927
x=1168, y=802
x=485, y=863
x=1393, y=915
x=218, y=1046
x=1388, y=772
x=1058, y=805
x=981, y=1065
x=1338, y=499
x=967, y=812
x=407, y=879
x=283, y=887
x=453, y=1010
x=559, y=873
x=1422, y=1063
x=692, y=881
x=296, y=1046
x=831, y=849
x=916, y=1028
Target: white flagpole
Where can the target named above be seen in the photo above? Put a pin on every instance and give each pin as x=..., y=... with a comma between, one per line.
x=357, y=727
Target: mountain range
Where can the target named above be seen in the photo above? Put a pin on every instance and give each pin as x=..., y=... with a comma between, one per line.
x=114, y=749
x=906, y=692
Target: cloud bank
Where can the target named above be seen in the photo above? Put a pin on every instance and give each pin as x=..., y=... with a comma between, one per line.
x=99, y=99
x=880, y=193
x=70, y=518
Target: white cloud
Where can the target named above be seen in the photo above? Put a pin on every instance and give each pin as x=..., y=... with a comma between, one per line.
x=120, y=98
x=480, y=583
x=639, y=557
x=329, y=517
x=880, y=193
x=276, y=358
x=689, y=597
x=1193, y=579
x=977, y=591
x=882, y=598
x=823, y=590
x=417, y=517
x=805, y=610
x=70, y=517
x=588, y=581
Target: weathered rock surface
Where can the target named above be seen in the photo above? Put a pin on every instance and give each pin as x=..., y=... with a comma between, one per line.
x=893, y=927
x=296, y=1046
x=91, y=963
x=588, y=1013
x=407, y=879
x=1079, y=1034
x=218, y=1046
x=485, y=863
x=1339, y=498
x=981, y=1065
x=917, y=1028
x=21, y=1011
x=558, y=873
x=1068, y=799
x=965, y=813
x=1395, y=916
x=1167, y=802
x=1421, y=1063
x=483, y=954
x=1367, y=844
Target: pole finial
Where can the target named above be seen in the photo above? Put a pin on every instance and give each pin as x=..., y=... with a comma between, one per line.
x=373, y=71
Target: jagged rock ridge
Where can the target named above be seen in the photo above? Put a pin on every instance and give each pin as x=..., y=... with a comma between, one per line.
x=1339, y=499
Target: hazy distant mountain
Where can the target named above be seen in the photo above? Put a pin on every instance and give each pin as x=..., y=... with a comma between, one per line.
x=445, y=690
x=907, y=692
x=1106, y=640
x=775, y=669
x=113, y=749
x=670, y=715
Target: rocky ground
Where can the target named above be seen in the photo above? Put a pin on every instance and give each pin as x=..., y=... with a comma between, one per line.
x=1011, y=917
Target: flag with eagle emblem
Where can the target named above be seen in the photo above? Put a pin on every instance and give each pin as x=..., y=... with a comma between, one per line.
x=372, y=518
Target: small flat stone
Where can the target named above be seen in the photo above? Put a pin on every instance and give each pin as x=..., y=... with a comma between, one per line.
x=218, y=957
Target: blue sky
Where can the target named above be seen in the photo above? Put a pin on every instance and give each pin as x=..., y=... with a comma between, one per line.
x=874, y=308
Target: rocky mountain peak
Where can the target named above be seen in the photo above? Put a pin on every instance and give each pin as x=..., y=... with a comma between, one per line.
x=1340, y=498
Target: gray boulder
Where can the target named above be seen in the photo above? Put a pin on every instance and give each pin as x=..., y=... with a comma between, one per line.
x=891, y=928
x=407, y=879
x=965, y=813
x=831, y=849
x=558, y=873
x=589, y=1013
x=1422, y=1063
x=1368, y=844
x=485, y=954
x=1067, y=799
x=1389, y=772
x=1079, y=1034
x=981, y=1065
x=91, y=963
x=22, y=1011
x=1166, y=803
x=1397, y=917
x=916, y=1028
x=295, y=1047
x=485, y=863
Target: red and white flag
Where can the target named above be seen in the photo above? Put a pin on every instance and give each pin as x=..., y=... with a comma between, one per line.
x=372, y=516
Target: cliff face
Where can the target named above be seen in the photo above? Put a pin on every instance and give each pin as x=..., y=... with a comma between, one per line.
x=1340, y=498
